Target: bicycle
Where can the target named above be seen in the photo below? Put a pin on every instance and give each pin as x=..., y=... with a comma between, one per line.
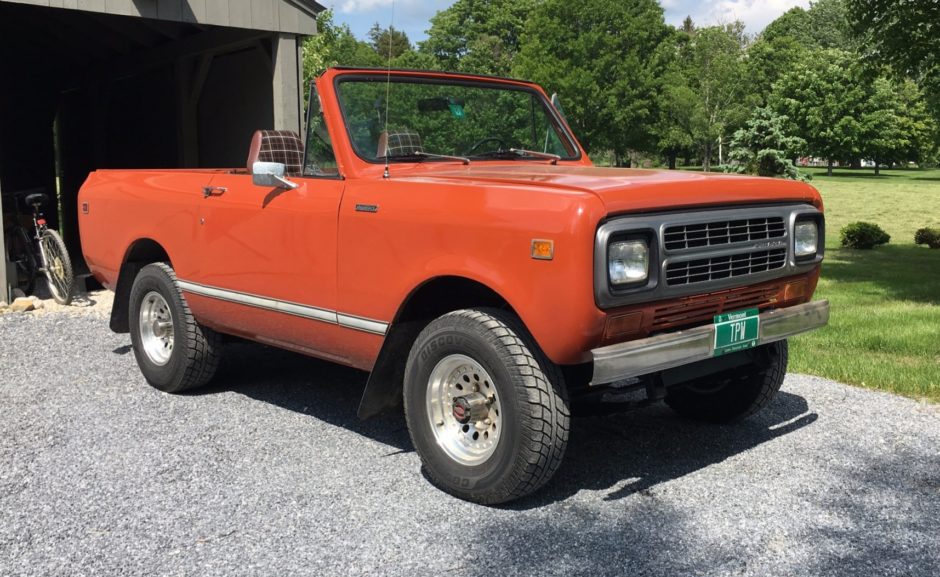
x=42, y=251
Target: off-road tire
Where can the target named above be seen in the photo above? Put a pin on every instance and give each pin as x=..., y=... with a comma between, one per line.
x=734, y=394
x=535, y=413
x=196, y=349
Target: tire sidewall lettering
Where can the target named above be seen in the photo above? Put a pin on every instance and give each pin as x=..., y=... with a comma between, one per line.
x=441, y=343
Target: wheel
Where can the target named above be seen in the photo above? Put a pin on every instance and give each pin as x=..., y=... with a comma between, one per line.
x=734, y=394
x=19, y=253
x=174, y=352
x=487, y=412
x=57, y=266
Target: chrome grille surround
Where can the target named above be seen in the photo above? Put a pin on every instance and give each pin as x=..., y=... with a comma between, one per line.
x=739, y=247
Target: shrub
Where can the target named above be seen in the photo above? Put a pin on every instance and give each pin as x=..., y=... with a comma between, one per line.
x=865, y=235
x=928, y=236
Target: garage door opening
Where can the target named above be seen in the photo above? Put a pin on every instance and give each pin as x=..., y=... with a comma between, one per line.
x=83, y=90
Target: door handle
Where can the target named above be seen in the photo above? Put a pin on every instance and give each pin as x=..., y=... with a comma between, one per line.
x=208, y=191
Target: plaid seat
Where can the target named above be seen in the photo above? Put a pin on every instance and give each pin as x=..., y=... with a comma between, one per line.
x=282, y=146
x=399, y=143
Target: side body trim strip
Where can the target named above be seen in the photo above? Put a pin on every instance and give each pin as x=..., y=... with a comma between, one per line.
x=287, y=307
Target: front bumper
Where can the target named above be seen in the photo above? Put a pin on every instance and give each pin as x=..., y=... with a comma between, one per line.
x=649, y=355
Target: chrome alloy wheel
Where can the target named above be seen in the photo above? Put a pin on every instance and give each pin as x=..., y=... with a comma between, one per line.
x=463, y=407
x=156, y=328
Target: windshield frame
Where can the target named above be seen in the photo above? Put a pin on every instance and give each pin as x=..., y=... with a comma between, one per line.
x=445, y=78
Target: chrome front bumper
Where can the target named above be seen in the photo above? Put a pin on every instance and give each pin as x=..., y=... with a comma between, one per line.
x=644, y=356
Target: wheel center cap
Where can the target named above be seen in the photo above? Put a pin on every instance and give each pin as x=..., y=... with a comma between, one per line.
x=472, y=407
x=461, y=410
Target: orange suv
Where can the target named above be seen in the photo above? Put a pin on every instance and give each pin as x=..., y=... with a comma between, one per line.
x=447, y=233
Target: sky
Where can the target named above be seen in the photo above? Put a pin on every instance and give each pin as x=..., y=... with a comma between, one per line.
x=413, y=16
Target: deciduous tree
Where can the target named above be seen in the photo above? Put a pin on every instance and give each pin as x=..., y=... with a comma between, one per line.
x=824, y=97
x=335, y=45
x=480, y=36
x=717, y=76
x=904, y=34
x=598, y=55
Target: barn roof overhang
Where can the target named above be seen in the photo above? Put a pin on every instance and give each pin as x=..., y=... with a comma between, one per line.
x=286, y=16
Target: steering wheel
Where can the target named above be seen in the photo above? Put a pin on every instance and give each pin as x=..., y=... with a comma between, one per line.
x=500, y=143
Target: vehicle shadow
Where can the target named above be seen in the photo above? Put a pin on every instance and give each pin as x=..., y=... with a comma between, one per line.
x=320, y=389
x=634, y=452
x=622, y=454
x=872, y=521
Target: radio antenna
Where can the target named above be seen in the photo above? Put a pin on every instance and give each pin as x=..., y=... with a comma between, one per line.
x=388, y=84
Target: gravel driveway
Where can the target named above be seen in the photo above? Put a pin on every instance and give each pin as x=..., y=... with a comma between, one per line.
x=269, y=472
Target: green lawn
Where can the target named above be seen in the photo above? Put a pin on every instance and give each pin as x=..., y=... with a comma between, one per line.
x=884, y=330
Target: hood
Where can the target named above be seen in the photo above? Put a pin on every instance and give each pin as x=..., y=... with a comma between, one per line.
x=632, y=190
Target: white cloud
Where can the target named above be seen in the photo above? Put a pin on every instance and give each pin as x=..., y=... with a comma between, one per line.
x=359, y=6
x=353, y=6
x=756, y=14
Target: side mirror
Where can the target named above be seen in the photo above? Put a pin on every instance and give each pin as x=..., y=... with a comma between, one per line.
x=270, y=174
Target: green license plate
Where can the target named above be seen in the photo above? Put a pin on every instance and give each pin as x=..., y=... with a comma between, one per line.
x=736, y=331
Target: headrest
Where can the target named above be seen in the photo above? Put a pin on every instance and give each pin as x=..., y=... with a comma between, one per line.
x=399, y=143
x=282, y=146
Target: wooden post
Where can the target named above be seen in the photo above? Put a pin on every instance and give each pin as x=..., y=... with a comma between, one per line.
x=191, y=76
x=286, y=80
x=5, y=293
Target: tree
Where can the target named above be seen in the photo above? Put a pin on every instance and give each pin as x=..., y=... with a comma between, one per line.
x=764, y=148
x=905, y=34
x=824, y=25
x=388, y=42
x=768, y=59
x=335, y=46
x=480, y=36
x=824, y=97
x=675, y=125
x=675, y=129
x=896, y=125
x=597, y=54
x=717, y=76
x=788, y=40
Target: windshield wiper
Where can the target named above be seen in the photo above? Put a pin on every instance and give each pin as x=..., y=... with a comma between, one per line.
x=519, y=153
x=534, y=153
x=462, y=159
x=425, y=155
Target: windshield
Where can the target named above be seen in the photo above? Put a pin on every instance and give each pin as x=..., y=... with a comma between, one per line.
x=476, y=120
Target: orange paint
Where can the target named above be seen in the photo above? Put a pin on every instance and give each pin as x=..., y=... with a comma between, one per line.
x=311, y=247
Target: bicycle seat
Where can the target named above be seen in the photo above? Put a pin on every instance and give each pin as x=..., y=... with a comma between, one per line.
x=36, y=198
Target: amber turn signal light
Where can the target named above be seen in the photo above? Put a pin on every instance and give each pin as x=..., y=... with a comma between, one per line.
x=543, y=249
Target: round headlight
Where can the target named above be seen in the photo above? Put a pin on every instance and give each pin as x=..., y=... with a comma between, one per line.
x=805, y=238
x=628, y=261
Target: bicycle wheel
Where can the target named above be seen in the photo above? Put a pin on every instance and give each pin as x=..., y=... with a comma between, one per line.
x=18, y=252
x=57, y=266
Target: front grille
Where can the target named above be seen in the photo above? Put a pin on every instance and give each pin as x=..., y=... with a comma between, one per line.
x=722, y=267
x=707, y=234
